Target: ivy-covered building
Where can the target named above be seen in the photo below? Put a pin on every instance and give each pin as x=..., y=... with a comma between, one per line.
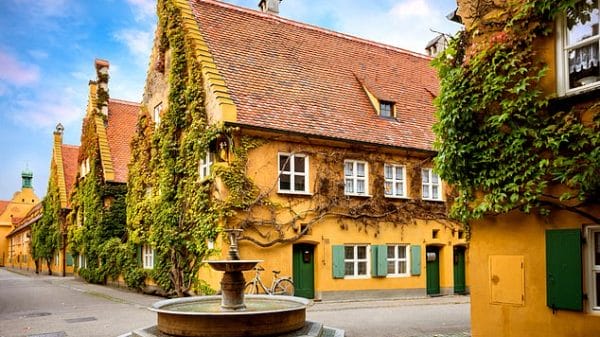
x=316, y=143
x=11, y=213
x=519, y=138
x=97, y=219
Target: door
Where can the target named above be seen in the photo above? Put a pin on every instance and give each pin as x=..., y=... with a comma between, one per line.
x=433, y=270
x=460, y=283
x=304, y=270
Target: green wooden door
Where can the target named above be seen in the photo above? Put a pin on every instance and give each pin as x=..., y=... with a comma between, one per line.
x=304, y=270
x=460, y=282
x=433, y=270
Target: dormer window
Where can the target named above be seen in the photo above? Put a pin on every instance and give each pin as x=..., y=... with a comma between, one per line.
x=156, y=114
x=386, y=109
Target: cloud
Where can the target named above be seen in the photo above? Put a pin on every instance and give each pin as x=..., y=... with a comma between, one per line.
x=139, y=42
x=17, y=73
x=38, y=54
x=47, y=8
x=143, y=9
x=411, y=9
x=48, y=108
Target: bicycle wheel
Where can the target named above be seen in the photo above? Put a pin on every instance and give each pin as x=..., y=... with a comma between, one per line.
x=284, y=287
x=251, y=288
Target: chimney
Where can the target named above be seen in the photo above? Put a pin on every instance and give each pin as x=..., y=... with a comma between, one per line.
x=269, y=6
x=58, y=134
x=102, y=82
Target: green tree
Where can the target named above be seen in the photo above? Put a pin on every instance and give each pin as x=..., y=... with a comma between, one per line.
x=45, y=233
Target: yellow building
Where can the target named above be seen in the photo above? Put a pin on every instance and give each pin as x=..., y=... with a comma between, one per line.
x=533, y=275
x=338, y=141
x=11, y=213
x=19, y=241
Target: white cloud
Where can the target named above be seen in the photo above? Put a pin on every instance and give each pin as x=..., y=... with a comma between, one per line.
x=16, y=72
x=412, y=8
x=47, y=8
x=143, y=9
x=47, y=109
x=139, y=42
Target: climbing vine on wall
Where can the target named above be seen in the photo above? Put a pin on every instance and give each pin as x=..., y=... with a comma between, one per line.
x=501, y=142
x=46, y=233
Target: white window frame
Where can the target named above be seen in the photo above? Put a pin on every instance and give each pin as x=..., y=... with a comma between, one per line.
x=562, y=56
x=394, y=180
x=57, y=259
x=82, y=263
x=156, y=115
x=355, y=260
x=147, y=257
x=396, y=259
x=292, y=173
x=354, y=178
x=206, y=164
x=591, y=269
x=427, y=185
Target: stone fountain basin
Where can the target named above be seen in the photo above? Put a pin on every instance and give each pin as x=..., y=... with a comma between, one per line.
x=232, y=265
x=265, y=315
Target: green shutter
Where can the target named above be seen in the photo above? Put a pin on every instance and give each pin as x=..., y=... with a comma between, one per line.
x=338, y=261
x=138, y=255
x=379, y=260
x=564, y=269
x=415, y=260
x=69, y=260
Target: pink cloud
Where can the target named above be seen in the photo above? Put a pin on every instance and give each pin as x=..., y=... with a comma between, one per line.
x=17, y=73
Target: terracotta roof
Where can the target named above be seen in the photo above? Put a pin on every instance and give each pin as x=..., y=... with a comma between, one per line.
x=122, y=119
x=32, y=216
x=69, y=156
x=3, y=205
x=294, y=77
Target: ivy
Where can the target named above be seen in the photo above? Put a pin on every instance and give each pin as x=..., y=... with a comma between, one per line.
x=46, y=233
x=501, y=142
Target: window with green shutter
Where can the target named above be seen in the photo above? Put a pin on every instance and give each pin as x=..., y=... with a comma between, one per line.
x=415, y=260
x=69, y=260
x=338, y=261
x=379, y=260
x=564, y=269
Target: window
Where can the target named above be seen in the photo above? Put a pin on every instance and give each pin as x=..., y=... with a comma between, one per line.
x=293, y=173
x=386, y=109
x=356, y=260
x=156, y=114
x=57, y=259
x=578, y=41
x=594, y=267
x=206, y=165
x=356, y=174
x=395, y=178
x=148, y=256
x=85, y=167
x=431, y=185
x=82, y=263
x=397, y=260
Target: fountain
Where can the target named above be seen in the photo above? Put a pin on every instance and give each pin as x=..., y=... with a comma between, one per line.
x=232, y=314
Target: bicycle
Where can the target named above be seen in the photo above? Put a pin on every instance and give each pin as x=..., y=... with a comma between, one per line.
x=279, y=285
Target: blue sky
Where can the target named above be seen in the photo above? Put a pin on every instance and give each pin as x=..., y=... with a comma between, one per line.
x=48, y=47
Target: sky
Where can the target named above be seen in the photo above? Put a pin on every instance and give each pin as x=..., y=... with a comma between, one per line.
x=48, y=48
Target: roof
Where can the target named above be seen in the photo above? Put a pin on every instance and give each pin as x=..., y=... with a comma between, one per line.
x=122, y=119
x=436, y=39
x=3, y=205
x=293, y=77
x=69, y=156
x=34, y=214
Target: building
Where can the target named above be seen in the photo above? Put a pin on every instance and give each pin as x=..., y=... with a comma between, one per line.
x=316, y=143
x=19, y=241
x=530, y=274
x=11, y=213
x=98, y=197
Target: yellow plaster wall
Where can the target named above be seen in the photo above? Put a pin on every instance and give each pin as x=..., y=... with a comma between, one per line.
x=263, y=169
x=520, y=235
x=20, y=204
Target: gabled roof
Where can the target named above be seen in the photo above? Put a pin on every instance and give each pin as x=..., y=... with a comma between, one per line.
x=69, y=160
x=3, y=205
x=294, y=77
x=25, y=222
x=120, y=129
